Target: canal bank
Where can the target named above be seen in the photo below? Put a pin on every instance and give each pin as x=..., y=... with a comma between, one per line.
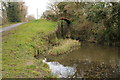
x=24, y=48
x=21, y=46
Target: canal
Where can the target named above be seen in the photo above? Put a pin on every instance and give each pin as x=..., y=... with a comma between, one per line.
x=89, y=61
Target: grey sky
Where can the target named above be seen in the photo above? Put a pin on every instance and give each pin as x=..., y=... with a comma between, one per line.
x=34, y=4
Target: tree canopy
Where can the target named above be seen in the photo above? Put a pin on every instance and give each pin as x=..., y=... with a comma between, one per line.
x=97, y=21
x=13, y=11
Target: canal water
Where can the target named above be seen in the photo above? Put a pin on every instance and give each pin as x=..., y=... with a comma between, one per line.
x=89, y=61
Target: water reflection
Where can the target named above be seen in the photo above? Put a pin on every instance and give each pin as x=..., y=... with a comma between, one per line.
x=91, y=60
x=60, y=70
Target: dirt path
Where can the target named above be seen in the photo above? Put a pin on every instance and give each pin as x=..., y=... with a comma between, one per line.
x=10, y=27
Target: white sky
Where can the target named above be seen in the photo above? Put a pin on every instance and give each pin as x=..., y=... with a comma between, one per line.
x=34, y=4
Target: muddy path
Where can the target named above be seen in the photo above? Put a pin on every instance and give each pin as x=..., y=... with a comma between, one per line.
x=10, y=27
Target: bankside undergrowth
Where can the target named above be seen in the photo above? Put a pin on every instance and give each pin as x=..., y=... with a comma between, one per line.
x=65, y=46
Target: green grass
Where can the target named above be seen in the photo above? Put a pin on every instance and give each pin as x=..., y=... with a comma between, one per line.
x=65, y=46
x=19, y=46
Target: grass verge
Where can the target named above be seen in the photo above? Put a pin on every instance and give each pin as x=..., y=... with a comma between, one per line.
x=19, y=46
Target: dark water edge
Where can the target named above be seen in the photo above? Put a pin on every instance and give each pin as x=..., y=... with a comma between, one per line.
x=90, y=61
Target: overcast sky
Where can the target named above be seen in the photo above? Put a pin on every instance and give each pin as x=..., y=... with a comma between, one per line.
x=34, y=4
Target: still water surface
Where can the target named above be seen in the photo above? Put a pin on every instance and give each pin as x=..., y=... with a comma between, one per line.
x=90, y=61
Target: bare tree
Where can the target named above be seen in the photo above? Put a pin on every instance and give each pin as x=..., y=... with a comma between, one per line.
x=30, y=18
x=23, y=10
x=53, y=6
